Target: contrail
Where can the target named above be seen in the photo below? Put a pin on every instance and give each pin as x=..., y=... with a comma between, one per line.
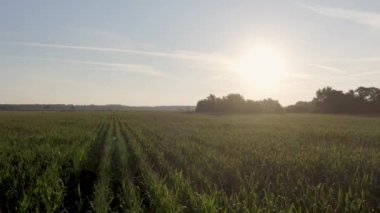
x=185, y=55
x=118, y=67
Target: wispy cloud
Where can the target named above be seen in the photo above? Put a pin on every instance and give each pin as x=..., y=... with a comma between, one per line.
x=328, y=68
x=355, y=60
x=184, y=55
x=333, y=74
x=350, y=76
x=292, y=75
x=112, y=67
x=367, y=73
x=369, y=19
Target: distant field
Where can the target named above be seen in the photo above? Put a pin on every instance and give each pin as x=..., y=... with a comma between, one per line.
x=173, y=162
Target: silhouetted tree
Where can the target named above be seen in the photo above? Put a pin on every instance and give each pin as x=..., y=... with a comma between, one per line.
x=301, y=106
x=270, y=106
x=329, y=100
x=235, y=103
x=368, y=99
x=252, y=106
x=368, y=94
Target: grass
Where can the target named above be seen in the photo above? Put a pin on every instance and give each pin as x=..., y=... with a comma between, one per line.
x=184, y=162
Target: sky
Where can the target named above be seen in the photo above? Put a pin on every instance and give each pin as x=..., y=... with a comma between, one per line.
x=177, y=52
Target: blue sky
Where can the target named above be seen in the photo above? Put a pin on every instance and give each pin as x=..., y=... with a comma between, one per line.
x=177, y=52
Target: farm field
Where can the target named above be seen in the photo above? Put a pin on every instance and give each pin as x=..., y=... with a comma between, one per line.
x=187, y=162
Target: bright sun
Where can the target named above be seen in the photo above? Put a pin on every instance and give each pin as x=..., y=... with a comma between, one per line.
x=262, y=66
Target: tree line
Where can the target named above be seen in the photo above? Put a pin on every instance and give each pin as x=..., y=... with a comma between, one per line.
x=327, y=100
x=236, y=103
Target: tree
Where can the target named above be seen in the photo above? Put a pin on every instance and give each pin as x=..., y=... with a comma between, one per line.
x=361, y=100
x=301, y=107
x=330, y=100
x=235, y=103
x=252, y=106
x=270, y=106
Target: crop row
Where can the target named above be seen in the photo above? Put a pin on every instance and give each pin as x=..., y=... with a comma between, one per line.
x=172, y=162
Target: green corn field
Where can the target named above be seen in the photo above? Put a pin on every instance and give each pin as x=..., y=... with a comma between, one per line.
x=188, y=162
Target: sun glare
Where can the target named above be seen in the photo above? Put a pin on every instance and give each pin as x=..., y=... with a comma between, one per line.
x=262, y=66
